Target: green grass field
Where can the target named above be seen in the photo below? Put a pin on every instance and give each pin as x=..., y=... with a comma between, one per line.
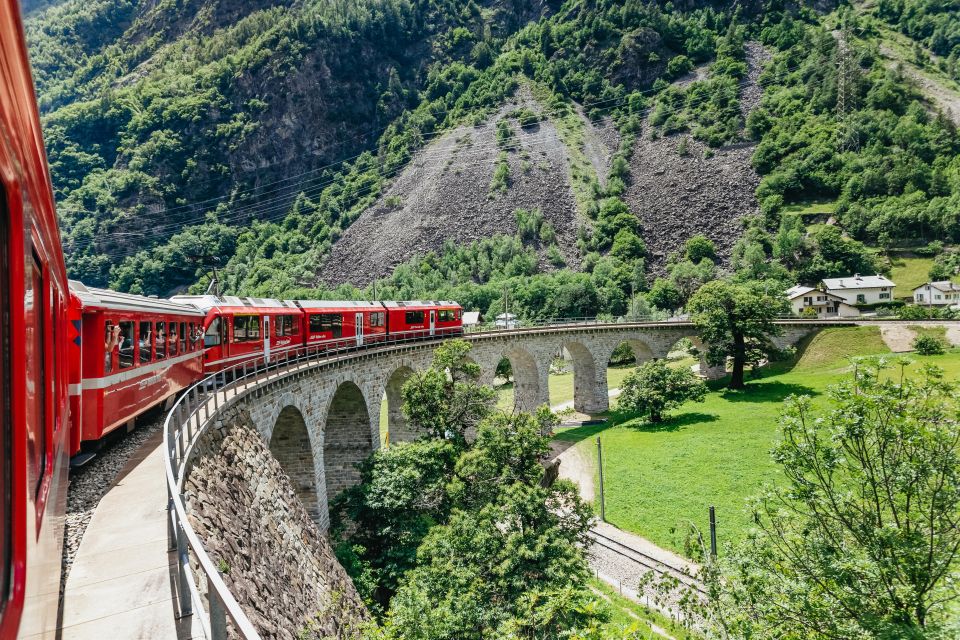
x=661, y=478
x=810, y=208
x=909, y=273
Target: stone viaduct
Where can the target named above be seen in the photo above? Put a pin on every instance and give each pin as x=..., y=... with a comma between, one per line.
x=319, y=421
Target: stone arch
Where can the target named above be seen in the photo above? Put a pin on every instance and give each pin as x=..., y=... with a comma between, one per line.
x=641, y=350
x=291, y=446
x=347, y=437
x=398, y=427
x=589, y=389
x=529, y=382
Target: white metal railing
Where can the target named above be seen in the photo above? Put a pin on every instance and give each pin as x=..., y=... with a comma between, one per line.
x=205, y=401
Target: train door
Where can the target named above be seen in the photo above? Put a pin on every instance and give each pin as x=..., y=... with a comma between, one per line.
x=433, y=321
x=266, y=338
x=358, y=320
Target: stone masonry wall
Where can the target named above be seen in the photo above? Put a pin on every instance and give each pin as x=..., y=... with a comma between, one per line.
x=272, y=555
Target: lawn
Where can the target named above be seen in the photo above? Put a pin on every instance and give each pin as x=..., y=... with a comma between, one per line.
x=909, y=273
x=661, y=478
x=811, y=207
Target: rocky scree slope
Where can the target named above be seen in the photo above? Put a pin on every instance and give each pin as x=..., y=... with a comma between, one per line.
x=272, y=556
x=679, y=187
x=445, y=195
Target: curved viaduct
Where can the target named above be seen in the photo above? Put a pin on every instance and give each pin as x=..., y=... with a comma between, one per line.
x=321, y=419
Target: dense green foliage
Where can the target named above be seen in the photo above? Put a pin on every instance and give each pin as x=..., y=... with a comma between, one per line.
x=654, y=387
x=861, y=537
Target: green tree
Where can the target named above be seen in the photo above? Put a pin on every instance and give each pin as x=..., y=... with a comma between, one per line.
x=861, y=537
x=664, y=294
x=736, y=319
x=927, y=345
x=508, y=539
x=447, y=400
x=700, y=247
x=653, y=388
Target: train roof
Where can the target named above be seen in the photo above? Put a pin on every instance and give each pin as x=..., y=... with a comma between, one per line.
x=106, y=299
x=337, y=304
x=207, y=302
x=415, y=304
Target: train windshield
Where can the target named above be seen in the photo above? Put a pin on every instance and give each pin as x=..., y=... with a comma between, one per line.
x=212, y=337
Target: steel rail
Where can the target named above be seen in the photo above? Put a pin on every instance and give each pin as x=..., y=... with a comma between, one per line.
x=646, y=560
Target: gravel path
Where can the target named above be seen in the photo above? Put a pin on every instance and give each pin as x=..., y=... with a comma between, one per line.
x=90, y=483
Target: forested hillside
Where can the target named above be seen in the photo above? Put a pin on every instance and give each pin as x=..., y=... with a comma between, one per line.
x=565, y=150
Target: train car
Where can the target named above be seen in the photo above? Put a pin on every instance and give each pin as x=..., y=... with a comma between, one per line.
x=134, y=352
x=339, y=323
x=420, y=319
x=33, y=357
x=237, y=329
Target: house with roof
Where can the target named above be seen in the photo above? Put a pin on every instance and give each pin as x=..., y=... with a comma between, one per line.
x=808, y=300
x=860, y=290
x=940, y=293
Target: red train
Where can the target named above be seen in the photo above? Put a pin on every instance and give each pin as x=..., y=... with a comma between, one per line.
x=34, y=296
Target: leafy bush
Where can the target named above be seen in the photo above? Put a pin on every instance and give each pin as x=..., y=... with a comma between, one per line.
x=654, y=387
x=928, y=345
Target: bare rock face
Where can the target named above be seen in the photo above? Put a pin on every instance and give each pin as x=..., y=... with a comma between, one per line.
x=680, y=188
x=680, y=194
x=445, y=194
x=273, y=557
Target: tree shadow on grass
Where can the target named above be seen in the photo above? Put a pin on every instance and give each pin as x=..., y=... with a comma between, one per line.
x=768, y=391
x=673, y=423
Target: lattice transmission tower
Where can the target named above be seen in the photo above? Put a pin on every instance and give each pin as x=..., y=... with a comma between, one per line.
x=845, y=78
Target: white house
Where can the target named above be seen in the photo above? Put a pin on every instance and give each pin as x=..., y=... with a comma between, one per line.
x=937, y=294
x=860, y=290
x=803, y=298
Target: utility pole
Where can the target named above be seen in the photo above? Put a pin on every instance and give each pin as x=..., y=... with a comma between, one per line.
x=603, y=510
x=633, y=307
x=713, y=533
x=506, y=306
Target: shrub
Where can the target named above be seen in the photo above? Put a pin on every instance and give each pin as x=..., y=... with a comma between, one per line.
x=654, y=387
x=927, y=345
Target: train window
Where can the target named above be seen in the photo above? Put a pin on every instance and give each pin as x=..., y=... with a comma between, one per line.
x=378, y=319
x=183, y=337
x=446, y=315
x=172, y=338
x=212, y=336
x=246, y=328
x=6, y=370
x=125, y=345
x=327, y=322
x=160, y=340
x=414, y=317
x=111, y=334
x=285, y=326
x=146, y=344
x=36, y=376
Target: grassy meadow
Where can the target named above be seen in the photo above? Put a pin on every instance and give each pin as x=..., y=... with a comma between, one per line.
x=661, y=478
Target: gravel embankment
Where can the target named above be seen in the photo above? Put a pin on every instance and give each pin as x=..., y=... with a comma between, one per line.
x=90, y=483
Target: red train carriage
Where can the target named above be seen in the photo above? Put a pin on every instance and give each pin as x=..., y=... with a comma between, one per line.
x=343, y=323
x=33, y=358
x=237, y=329
x=134, y=353
x=419, y=319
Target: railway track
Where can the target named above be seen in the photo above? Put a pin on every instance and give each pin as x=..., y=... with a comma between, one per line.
x=645, y=560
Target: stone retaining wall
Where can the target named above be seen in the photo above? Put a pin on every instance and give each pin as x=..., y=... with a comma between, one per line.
x=273, y=556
